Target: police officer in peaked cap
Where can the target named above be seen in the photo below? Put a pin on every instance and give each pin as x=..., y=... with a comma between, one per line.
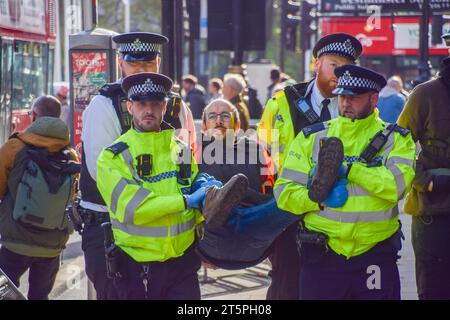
x=289, y=111
x=104, y=120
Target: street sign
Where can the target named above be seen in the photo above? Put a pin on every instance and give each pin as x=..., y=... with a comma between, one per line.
x=360, y=6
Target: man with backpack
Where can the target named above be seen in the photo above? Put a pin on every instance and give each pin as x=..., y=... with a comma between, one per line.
x=38, y=172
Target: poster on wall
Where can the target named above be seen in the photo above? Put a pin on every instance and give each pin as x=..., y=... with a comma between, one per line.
x=25, y=15
x=90, y=72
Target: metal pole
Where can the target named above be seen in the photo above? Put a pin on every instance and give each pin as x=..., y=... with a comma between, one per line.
x=178, y=40
x=238, y=58
x=282, y=35
x=424, y=63
x=167, y=24
x=126, y=3
x=90, y=16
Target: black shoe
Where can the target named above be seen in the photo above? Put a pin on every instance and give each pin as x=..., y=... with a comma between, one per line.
x=331, y=155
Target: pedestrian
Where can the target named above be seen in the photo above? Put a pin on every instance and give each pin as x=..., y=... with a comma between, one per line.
x=37, y=177
x=275, y=78
x=233, y=88
x=348, y=191
x=285, y=115
x=194, y=97
x=215, y=89
x=391, y=101
x=104, y=120
x=61, y=93
x=145, y=178
x=427, y=114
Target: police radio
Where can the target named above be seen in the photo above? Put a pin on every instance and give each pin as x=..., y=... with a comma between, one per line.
x=304, y=107
x=375, y=145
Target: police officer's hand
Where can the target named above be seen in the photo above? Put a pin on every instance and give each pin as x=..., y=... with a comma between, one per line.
x=195, y=200
x=338, y=195
x=342, y=171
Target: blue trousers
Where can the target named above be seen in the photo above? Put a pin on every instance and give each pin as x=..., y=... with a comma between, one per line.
x=372, y=275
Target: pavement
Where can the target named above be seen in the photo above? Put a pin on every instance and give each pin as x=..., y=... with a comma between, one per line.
x=216, y=284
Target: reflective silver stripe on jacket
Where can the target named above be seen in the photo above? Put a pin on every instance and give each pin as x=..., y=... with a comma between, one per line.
x=316, y=147
x=391, y=164
x=296, y=176
x=117, y=191
x=353, y=217
x=277, y=191
x=129, y=161
x=357, y=191
x=154, y=232
x=134, y=203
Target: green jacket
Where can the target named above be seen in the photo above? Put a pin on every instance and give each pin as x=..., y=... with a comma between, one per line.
x=45, y=132
x=370, y=214
x=427, y=115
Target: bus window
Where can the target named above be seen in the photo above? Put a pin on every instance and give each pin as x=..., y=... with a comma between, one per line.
x=29, y=79
x=5, y=89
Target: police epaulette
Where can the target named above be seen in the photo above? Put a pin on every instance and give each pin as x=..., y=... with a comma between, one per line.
x=118, y=148
x=309, y=130
x=403, y=131
x=110, y=89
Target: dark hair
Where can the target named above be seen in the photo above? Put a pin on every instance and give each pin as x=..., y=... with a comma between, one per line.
x=47, y=106
x=217, y=83
x=444, y=69
x=275, y=74
x=191, y=79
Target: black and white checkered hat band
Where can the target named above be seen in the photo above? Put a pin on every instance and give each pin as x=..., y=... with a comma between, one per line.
x=339, y=48
x=140, y=47
x=146, y=88
x=348, y=81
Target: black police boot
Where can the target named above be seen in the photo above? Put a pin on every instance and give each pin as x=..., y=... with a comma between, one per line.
x=331, y=155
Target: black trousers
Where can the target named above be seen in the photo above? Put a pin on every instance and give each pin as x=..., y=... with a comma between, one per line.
x=92, y=243
x=285, y=266
x=431, y=243
x=372, y=275
x=174, y=279
x=41, y=276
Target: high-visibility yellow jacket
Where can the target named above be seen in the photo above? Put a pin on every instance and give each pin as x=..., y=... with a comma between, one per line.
x=370, y=214
x=148, y=213
x=276, y=129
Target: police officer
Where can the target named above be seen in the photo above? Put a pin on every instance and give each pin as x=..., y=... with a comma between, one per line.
x=145, y=178
x=105, y=119
x=351, y=237
x=288, y=112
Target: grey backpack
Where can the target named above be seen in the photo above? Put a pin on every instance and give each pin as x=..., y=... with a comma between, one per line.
x=46, y=189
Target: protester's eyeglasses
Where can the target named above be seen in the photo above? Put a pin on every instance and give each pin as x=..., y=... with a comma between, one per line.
x=226, y=116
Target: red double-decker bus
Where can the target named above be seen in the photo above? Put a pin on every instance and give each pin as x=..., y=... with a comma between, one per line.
x=27, y=39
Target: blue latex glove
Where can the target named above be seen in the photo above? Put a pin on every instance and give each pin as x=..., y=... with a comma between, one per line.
x=212, y=182
x=338, y=195
x=199, y=180
x=195, y=200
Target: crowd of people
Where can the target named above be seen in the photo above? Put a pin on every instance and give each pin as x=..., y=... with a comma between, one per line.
x=316, y=190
